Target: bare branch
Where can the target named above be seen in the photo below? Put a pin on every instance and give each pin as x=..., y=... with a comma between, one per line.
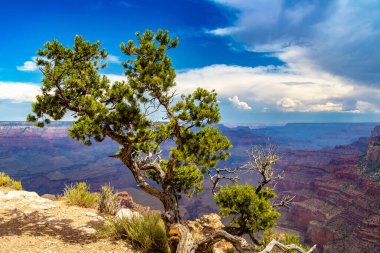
x=243, y=246
x=215, y=179
x=262, y=160
x=151, y=162
x=285, y=201
x=238, y=242
x=285, y=248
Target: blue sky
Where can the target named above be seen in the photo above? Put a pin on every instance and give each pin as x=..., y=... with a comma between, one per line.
x=271, y=62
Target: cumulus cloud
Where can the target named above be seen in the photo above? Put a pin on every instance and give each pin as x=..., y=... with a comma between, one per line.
x=18, y=92
x=299, y=88
x=339, y=36
x=239, y=104
x=28, y=66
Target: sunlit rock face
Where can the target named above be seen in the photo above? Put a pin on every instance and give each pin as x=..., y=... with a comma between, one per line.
x=336, y=205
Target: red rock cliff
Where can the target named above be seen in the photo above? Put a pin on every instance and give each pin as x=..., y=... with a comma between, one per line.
x=336, y=207
x=373, y=153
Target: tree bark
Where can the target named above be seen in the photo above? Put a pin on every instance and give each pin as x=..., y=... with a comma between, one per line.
x=186, y=243
x=171, y=208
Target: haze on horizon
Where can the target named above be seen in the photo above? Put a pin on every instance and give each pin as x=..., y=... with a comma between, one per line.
x=271, y=62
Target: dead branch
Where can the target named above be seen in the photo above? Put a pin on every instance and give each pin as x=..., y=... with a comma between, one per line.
x=151, y=161
x=229, y=174
x=285, y=248
x=262, y=161
x=285, y=201
x=239, y=243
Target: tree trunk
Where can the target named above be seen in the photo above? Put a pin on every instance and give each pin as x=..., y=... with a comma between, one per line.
x=171, y=208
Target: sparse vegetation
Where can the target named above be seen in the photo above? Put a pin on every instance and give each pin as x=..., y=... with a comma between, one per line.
x=80, y=195
x=146, y=232
x=107, y=200
x=7, y=181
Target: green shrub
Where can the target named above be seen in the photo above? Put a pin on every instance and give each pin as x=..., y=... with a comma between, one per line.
x=80, y=195
x=146, y=232
x=107, y=200
x=7, y=181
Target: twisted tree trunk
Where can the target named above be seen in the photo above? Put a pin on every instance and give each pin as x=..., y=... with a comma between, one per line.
x=186, y=243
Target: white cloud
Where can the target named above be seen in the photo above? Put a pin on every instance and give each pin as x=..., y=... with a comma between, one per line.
x=113, y=59
x=300, y=86
x=288, y=104
x=339, y=36
x=28, y=66
x=116, y=78
x=19, y=92
x=239, y=104
x=224, y=31
x=297, y=87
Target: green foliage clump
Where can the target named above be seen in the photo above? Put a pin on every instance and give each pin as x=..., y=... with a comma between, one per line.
x=80, y=195
x=7, y=181
x=146, y=232
x=107, y=200
x=250, y=211
x=286, y=239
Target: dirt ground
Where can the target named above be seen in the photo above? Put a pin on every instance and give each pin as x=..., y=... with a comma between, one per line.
x=62, y=228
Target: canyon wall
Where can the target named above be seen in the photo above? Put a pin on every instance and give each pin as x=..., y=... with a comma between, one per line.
x=336, y=206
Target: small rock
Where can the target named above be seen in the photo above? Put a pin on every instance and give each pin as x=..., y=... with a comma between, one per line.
x=49, y=196
x=91, y=214
x=127, y=213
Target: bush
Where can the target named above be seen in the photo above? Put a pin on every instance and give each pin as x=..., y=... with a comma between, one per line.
x=146, y=232
x=80, y=195
x=6, y=181
x=107, y=200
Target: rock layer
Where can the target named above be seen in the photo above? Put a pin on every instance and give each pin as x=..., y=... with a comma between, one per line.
x=373, y=153
x=336, y=207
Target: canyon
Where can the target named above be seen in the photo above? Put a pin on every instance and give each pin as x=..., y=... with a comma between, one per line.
x=332, y=169
x=337, y=203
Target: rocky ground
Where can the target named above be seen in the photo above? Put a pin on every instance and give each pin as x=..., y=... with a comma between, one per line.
x=30, y=223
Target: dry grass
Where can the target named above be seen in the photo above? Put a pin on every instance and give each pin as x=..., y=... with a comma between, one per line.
x=7, y=181
x=80, y=195
x=146, y=232
x=107, y=200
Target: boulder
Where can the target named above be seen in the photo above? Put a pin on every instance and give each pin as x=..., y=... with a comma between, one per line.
x=125, y=200
x=26, y=199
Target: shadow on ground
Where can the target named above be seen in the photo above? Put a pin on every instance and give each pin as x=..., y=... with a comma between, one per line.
x=15, y=222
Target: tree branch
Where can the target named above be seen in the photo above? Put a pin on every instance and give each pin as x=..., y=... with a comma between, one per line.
x=285, y=201
x=215, y=179
x=126, y=157
x=285, y=248
x=262, y=161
